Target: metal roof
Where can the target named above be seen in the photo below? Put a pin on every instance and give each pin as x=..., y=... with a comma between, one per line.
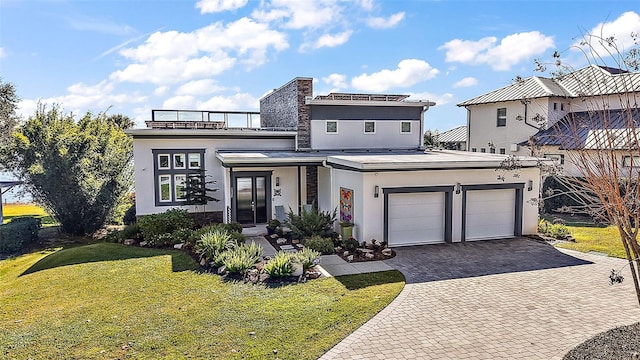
x=457, y=134
x=617, y=129
x=592, y=80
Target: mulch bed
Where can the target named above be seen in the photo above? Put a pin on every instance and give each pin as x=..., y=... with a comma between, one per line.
x=619, y=343
x=359, y=255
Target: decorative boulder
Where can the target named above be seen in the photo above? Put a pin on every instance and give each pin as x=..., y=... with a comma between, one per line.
x=129, y=242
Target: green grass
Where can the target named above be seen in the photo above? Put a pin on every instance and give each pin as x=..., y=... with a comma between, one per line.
x=108, y=301
x=601, y=239
x=11, y=211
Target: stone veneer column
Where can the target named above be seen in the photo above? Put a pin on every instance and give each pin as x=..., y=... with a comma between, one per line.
x=304, y=90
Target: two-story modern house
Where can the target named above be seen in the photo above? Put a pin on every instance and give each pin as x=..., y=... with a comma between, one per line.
x=361, y=154
x=545, y=116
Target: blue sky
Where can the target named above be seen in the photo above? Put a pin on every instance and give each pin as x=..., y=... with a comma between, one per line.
x=134, y=56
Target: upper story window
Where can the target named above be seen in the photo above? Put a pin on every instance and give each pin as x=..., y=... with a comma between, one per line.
x=483, y=150
x=502, y=117
x=559, y=158
x=331, y=127
x=503, y=151
x=172, y=169
x=631, y=161
x=405, y=127
x=492, y=150
x=474, y=149
x=369, y=127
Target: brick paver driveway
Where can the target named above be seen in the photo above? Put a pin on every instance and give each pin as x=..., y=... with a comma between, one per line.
x=501, y=299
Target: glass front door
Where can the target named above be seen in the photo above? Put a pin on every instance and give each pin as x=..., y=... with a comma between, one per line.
x=251, y=199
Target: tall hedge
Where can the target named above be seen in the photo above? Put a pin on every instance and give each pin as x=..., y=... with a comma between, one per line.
x=18, y=233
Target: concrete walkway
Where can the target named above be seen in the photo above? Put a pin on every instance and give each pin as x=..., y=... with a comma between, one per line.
x=501, y=299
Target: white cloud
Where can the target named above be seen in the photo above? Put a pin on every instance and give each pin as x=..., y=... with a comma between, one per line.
x=180, y=102
x=331, y=40
x=385, y=23
x=3, y=53
x=160, y=90
x=511, y=50
x=172, y=56
x=365, y=4
x=239, y=101
x=214, y=6
x=81, y=97
x=296, y=14
x=408, y=73
x=84, y=23
x=620, y=29
x=336, y=80
x=438, y=99
x=199, y=87
x=466, y=82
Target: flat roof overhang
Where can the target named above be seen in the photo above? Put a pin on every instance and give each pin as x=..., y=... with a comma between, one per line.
x=210, y=133
x=373, y=161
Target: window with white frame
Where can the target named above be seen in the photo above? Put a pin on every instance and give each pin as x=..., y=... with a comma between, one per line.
x=331, y=127
x=558, y=158
x=501, y=117
x=405, y=127
x=172, y=168
x=369, y=127
x=631, y=161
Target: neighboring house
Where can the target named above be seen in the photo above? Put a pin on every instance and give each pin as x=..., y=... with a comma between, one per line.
x=358, y=153
x=454, y=139
x=503, y=121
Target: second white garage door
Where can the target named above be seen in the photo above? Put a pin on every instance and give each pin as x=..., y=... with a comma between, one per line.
x=416, y=218
x=490, y=214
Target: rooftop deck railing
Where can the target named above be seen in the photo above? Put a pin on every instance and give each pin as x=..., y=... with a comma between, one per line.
x=196, y=119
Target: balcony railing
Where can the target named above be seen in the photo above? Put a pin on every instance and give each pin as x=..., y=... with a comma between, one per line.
x=195, y=119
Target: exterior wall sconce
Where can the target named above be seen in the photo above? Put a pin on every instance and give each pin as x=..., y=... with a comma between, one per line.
x=530, y=185
x=277, y=180
x=376, y=191
x=458, y=188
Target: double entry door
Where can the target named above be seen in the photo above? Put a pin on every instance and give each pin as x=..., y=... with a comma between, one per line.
x=252, y=197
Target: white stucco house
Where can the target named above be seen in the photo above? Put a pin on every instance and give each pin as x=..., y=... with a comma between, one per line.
x=359, y=153
x=547, y=116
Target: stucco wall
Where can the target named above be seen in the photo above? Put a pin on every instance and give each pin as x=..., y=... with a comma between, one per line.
x=369, y=211
x=144, y=171
x=351, y=135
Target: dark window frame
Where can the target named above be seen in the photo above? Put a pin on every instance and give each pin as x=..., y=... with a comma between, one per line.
x=172, y=172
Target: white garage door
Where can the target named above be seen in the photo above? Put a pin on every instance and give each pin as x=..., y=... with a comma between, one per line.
x=416, y=218
x=490, y=214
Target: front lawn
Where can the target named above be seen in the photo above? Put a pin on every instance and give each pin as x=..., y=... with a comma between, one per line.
x=601, y=239
x=112, y=301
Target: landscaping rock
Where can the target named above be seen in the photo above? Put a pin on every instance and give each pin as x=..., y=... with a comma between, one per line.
x=366, y=251
x=345, y=254
x=297, y=269
x=313, y=274
x=203, y=262
x=253, y=276
x=295, y=241
x=274, y=236
x=144, y=243
x=263, y=277
x=178, y=246
x=369, y=256
x=350, y=258
x=387, y=252
x=129, y=242
x=281, y=241
x=222, y=269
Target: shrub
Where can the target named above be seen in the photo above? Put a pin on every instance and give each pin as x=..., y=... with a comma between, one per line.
x=181, y=236
x=319, y=244
x=310, y=223
x=350, y=243
x=212, y=243
x=280, y=265
x=241, y=258
x=130, y=215
x=153, y=226
x=237, y=236
x=307, y=257
x=132, y=231
x=559, y=231
x=18, y=233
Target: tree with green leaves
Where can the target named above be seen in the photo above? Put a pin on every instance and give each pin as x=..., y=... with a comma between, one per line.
x=79, y=170
x=430, y=139
x=8, y=106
